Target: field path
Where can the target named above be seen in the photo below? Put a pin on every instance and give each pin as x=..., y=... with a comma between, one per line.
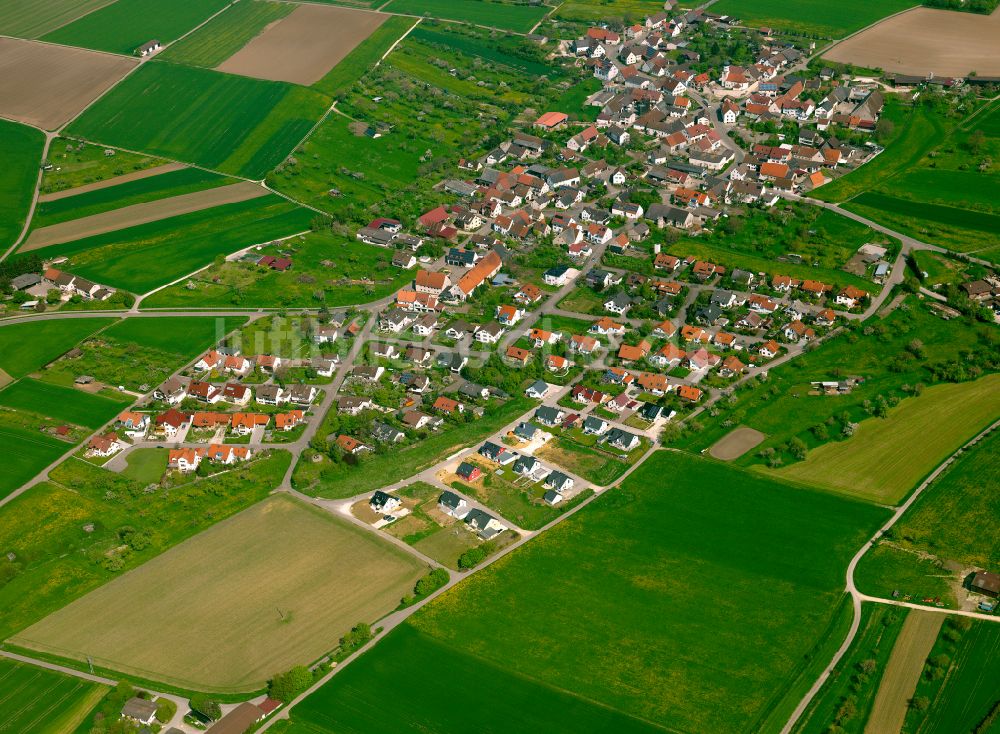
x=108, y=183
x=150, y=211
x=913, y=645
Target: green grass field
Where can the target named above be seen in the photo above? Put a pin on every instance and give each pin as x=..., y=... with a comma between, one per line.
x=25, y=347
x=621, y=11
x=62, y=557
x=21, y=151
x=226, y=34
x=502, y=15
x=28, y=451
x=718, y=610
x=849, y=689
x=221, y=121
x=969, y=691
x=40, y=701
x=124, y=25
x=147, y=256
x=291, y=605
x=355, y=273
x=362, y=57
x=146, y=466
x=495, y=53
x=63, y=404
x=31, y=19
x=165, y=185
x=879, y=462
x=185, y=336
x=810, y=16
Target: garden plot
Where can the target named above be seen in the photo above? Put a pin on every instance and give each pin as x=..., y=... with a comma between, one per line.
x=47, y=86
x=736, y=443
x=303, y=46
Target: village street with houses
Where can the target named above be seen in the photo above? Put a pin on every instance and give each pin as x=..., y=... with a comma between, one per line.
x=551, y=276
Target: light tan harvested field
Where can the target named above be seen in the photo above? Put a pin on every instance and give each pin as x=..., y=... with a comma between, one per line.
x=926, y=40
x=274, y=586
x=304, y=45
x=736, y=443
x=108, y=183
x=149, y=211
x=47, y=86
x=912, y=647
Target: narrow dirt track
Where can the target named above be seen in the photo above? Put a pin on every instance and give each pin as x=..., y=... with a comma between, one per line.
x=903, y=671
x=151, y=211
x=109, y=182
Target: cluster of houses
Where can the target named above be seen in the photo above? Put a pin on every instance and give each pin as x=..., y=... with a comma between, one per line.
x=68, y=284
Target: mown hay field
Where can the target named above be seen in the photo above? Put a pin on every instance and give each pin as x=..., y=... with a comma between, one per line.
x=224, y=122
x=886, y=458
x=697, y=580
x=224, y=611
x=40, y=701
x=122, y=26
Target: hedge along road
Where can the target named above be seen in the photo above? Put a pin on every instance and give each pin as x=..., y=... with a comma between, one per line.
x=857, y=597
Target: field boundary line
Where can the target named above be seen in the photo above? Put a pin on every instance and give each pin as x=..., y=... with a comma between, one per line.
x=394, y=43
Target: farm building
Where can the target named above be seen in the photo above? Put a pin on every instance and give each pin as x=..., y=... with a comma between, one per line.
x=986, y=583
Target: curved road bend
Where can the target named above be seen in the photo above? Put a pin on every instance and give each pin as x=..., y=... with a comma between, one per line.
x=857, y=597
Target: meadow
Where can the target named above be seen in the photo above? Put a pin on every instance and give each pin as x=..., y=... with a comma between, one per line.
x=43, y=702
x=31, y=19
x=785, y=408
x=25, y=347
x=321, y=576
x=220, y=121
x=742, y=600
x=21, y=152
x=124, y=25
x=810, y=17
x=878, y=462
x=144, y=257
x=362, y=57
x=345, y=272
x=153, y=188
x=587, y=463
x=65, y=532
x=503, y=15
x=226, y=34
x=497, y=51
x=62, y=404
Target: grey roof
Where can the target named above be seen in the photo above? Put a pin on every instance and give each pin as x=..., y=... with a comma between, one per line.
x=138, y=708
x=525, y=431
x=557, y=479
x=26, y=280
x=450, y=500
